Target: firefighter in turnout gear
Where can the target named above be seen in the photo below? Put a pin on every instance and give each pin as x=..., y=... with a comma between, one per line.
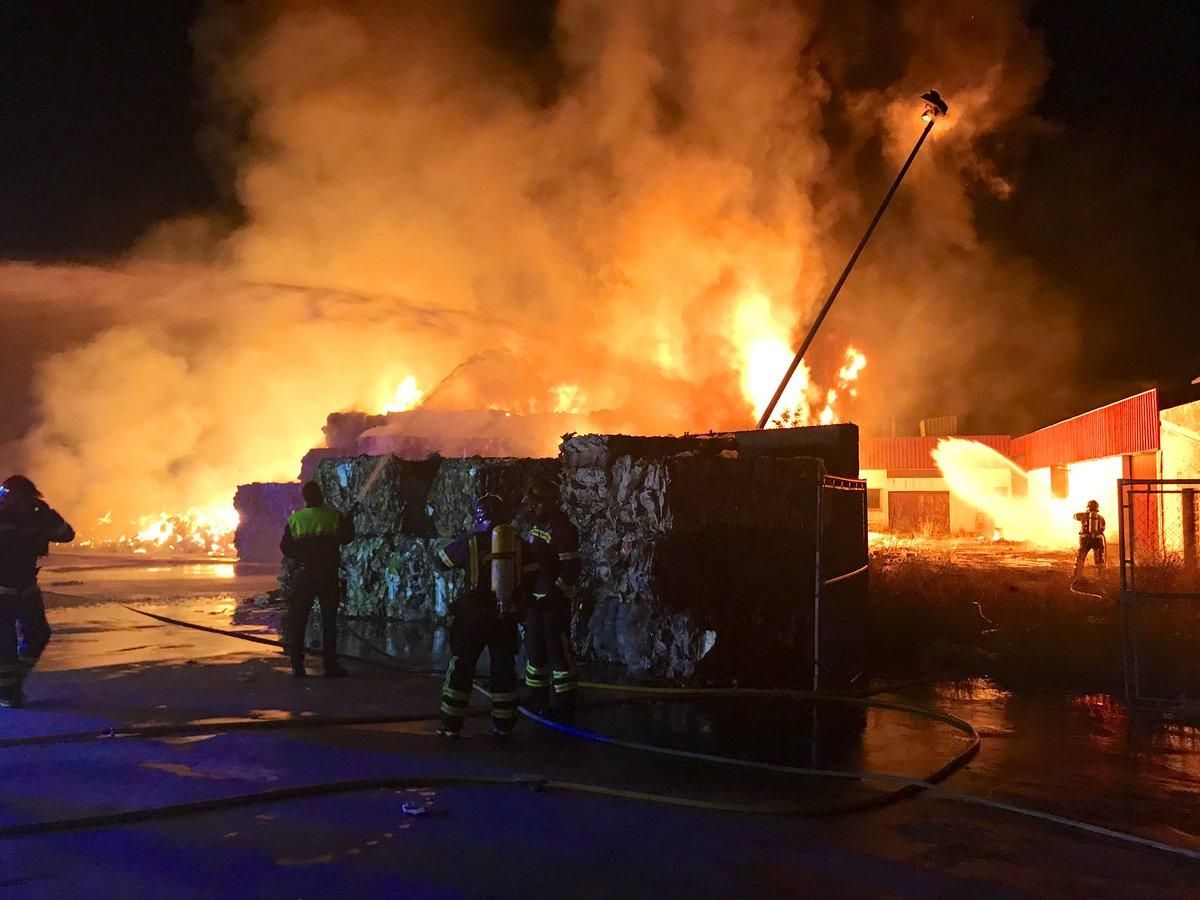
x=1091, y=537
x=551, y=675
x=311, y=540
x=27, y=527
x=484, y=616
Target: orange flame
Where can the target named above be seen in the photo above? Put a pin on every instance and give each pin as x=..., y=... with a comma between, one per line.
x=406, y=396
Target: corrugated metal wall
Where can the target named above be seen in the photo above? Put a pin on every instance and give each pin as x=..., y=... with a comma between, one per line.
x=916, y=452
x=1127, y=426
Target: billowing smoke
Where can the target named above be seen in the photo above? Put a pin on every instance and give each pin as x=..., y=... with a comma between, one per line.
x=423, y=182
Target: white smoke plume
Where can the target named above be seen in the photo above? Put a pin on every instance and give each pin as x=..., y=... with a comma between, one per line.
x=420, y=186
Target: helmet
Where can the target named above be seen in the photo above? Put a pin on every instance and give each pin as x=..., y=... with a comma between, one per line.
x=544, y=489
x=1093, y=505
x=19, y=485
x=489, y=509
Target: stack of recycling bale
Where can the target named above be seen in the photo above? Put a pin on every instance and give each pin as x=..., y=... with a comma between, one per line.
x=404, y=512
x=262, y=510
x=692, y=553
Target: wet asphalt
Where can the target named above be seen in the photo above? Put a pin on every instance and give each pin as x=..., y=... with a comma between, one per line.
x=1085, y=758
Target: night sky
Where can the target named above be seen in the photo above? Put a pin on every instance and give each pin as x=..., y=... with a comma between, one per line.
x=101, y=109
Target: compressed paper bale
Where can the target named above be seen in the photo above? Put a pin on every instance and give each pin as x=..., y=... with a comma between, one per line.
x=263, y=510
x=385, y=495
x=763, y=493
x=601, y=450
x=364, y=576
x=690, y=551
x=460, y=482
x=415, y=587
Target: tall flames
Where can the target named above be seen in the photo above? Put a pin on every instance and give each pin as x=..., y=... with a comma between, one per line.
x=764, y=351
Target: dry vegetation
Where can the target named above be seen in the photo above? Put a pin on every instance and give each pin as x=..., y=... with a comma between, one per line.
x=996, y=610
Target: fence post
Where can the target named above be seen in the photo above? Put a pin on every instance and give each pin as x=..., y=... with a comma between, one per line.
x=1189, y=527
x=816, y=682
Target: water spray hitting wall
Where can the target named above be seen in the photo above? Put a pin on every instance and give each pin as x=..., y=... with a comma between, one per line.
x=601, y=200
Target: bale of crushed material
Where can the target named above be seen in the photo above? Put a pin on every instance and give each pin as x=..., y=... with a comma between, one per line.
x=691, y=552
x=263, y=509
x=415, y=587
x=364, y=575
x=460, y=482
x=601, y=450
x=383, y=495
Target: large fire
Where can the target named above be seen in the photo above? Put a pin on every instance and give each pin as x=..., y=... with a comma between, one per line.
x=409, y=200
x=199, y=530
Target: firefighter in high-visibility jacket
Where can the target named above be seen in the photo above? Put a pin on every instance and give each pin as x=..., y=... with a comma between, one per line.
x=485, y=615
x=27, y=528
x=551, y=675
x=312, y=540
x=1091, y=537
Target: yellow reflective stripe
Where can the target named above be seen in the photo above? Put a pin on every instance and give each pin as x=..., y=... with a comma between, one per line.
x=445, y=557
x=314, y=521
x=539, y=596
x=565, y=556
x=506, y=697
x=474, y=546
x=535, y=670
x=504, y=713
x=532, y=682
x=454, y=711
x=449, y=692
x=564, y=688
x=541, y=535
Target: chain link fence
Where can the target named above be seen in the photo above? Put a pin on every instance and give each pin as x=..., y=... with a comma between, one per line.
x=1160, y=592
x=839, y=620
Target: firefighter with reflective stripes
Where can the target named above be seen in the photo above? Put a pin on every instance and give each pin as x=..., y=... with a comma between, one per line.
x=312, y=540
x=484, y=616
x=551, y=675
x=1091, y=537
x=27, y=527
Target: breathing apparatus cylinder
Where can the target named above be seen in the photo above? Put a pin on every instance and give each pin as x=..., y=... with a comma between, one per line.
x=504, y=566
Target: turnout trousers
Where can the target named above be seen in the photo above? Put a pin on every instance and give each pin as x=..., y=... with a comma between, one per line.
x=474, y=629
x=551, y=676
x=308, y=586
x=1094, y=545
x=25, y=609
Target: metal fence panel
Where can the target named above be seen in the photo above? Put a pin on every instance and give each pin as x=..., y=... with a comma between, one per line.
x=1160, y=591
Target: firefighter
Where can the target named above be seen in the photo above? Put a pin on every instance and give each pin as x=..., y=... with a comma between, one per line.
x=311, y=539
x=27, y=526
x=484, y=616
x=551, y=675
x=1091, y=538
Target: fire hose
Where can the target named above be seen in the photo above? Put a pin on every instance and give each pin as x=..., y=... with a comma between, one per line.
x=905, y=786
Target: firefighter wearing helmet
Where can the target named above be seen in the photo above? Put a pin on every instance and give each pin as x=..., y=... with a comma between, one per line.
x=1091, y=537
x=551, y=675
x=483, y=616
x=27, y=527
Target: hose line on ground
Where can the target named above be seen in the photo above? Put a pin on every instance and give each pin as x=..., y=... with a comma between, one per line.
x=907, y=785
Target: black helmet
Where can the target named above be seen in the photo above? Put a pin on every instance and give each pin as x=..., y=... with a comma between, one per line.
x=20, y=486
x=544, y=489
x=489, y=509
x=1093, y=505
